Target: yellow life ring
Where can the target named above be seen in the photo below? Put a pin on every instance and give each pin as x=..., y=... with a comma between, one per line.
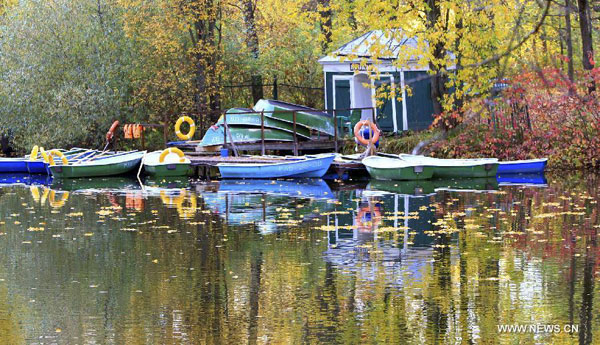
x=187, y=211
x=178, y=124
x=59, y=154
x=34, y=153
x=171, y=200
x=44, y=155
x=58, y=203
x=174, y=150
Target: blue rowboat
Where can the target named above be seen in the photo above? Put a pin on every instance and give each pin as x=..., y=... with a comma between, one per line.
x=313, y=166
x=13, y=165
x=528, y=166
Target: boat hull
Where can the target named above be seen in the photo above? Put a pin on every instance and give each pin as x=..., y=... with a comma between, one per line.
x=37, y=167
x=13, y=165
x=109, y=166
x=250, y=118
x=406, y=173
x=176, y=169
x=307, y=117
x=480, y=170
x=214, y=135
x=532, y=166
x=310, y=167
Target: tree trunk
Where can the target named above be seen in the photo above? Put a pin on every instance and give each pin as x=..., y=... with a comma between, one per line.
x=569, y=40
x=325, y=12
x=438, y=80
x=249, y=9
x=587, y=48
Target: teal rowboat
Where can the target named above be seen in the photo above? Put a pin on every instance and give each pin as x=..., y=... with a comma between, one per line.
x=305, y=116
x=172, y=165
x=481, y=167
x=214, y=135
x=248, y=117
x=383, y=168
x=111, y=165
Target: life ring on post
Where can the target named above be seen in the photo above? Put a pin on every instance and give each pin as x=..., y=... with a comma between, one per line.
x=373, y=128
x=34, y=153
x=59, y=154
x=111, y=132
x=178, y=124
x=174, y=150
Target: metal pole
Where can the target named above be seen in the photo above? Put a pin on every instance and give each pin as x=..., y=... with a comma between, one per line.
x=335, y=131
x=262, y=132
x=224, y=130
x=295, y=139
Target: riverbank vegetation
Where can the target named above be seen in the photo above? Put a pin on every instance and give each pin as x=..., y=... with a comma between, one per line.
x=511, y=79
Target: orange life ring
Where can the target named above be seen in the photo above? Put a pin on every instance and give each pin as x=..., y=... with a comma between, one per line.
x=111, y=132
x=372, y=126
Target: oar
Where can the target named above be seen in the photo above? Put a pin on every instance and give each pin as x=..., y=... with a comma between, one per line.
x=389, y=155
x=79, y=155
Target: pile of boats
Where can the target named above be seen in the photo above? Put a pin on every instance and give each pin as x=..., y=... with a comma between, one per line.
x=276, y=117
x=79, y=162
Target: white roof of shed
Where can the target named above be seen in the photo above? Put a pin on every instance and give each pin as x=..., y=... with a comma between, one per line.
x=383, y=45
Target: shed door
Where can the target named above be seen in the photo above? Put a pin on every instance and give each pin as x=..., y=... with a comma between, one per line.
x=342, y=96
x=385, y=108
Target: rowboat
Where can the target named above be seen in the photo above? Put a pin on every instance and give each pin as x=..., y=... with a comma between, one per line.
x=305, y=116
x=39, y=166
x=479, y=167
x=14, y=165
x=527, y=166
x=249, y=117
x=172, y=165
x=314, y=166
x=214, y=135
x=110, y=165
x=384, y=168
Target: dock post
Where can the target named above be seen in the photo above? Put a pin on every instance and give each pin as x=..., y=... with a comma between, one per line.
x=335, y=131
x=295, y=138
x=225, y=130
x=262, y=132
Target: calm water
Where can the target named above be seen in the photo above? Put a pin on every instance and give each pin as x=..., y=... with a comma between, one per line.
x=105, y=262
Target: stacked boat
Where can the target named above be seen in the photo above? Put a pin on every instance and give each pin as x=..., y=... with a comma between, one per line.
x=246, y=125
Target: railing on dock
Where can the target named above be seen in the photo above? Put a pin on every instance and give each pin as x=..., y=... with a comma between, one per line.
x=227, y=133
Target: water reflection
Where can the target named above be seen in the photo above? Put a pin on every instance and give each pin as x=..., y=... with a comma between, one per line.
x=111, y=261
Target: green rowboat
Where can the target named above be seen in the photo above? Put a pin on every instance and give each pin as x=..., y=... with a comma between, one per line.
x=172, y=165
x=248, y=117
x=305, y=116
x=110, y=165
x=383, y=168
x=443, y=168
x=214, y=135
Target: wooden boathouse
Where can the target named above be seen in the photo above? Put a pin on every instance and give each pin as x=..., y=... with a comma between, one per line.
x=355, y=79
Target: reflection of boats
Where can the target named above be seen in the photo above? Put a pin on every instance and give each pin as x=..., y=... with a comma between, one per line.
x=167, y=181
x=522, y=180
x=306, y=188
x=24, y=179
x=113, y=183
x=527, y=166
x=484, y=167
x=306, y=166
x=415, y=188
x=384, y=168
x=174, y=163
x=466, y=184
x=111, y=165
